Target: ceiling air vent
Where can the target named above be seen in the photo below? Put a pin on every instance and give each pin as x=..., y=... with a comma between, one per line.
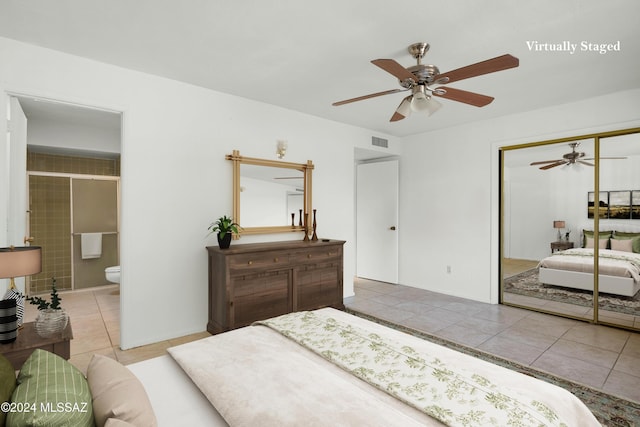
x=379, y=142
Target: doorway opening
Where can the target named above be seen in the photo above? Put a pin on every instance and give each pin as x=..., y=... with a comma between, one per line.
x=71, y=175
x=377, y=189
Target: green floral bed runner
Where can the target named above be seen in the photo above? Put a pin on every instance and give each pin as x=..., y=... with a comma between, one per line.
x=452, y=395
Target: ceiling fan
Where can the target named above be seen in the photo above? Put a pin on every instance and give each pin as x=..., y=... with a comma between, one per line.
x=570, y=158
x=420, y=77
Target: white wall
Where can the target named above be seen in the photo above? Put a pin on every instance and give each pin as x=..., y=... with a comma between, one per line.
x=63, y=135
x=536, y=199
x=175, y=179
x=449, y=190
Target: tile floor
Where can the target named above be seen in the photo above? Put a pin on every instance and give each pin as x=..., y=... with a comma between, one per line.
x=602, y=357
x=95, y=321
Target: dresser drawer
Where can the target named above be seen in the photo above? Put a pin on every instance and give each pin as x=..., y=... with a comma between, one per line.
x=258, y=261
x=317, y=254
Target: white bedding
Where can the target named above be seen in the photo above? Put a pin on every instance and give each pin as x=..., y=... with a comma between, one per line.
x=611, y=263
x=256, y=376
x=175, y=399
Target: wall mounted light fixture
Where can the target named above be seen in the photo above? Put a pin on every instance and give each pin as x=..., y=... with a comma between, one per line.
x=281, y=149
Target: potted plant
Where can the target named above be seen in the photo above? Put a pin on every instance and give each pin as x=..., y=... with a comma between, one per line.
x=51, y=319
x=225, y=227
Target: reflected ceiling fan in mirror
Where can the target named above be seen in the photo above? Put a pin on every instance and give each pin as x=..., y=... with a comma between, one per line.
x=570, y=159
x=420, y=77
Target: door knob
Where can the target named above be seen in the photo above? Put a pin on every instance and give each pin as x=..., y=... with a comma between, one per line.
x=393, y=227
x=28, y=239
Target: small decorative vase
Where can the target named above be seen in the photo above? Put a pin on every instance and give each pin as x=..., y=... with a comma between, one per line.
x=51, y=322
x=224, y=242
x=315, y=225
x=8, y=321
x=306, y=228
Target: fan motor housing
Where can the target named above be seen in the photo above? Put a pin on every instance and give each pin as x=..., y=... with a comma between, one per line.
x=425, y=74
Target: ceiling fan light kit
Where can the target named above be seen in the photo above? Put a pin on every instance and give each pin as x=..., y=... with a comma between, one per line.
x=420, y=77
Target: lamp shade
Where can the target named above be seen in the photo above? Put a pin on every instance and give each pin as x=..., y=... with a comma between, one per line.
x=558, y=224
x=404, y=108
x=20, y=261
x=423, y=103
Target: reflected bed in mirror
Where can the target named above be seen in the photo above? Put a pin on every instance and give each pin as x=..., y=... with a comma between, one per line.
x=267, y=192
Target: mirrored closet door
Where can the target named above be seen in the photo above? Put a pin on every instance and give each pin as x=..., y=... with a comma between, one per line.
x=543, y=216
x=619, y=264
x=567, y=213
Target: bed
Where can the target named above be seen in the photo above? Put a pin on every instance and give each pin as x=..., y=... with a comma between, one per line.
x=618, y=267
x=327, y=367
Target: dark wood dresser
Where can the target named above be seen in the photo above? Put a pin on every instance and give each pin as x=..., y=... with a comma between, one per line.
x=255, y=281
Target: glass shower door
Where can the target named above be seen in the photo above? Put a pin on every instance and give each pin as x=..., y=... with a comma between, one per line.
x=94, y=214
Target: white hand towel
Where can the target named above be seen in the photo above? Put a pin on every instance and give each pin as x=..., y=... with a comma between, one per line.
x=91, y=245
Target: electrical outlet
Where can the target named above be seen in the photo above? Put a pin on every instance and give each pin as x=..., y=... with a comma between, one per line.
x=448, y=269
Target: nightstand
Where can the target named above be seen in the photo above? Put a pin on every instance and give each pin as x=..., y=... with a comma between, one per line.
x=560, y=246
x=28, y=340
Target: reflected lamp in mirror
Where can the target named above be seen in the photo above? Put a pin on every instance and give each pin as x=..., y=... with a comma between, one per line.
x=559, y=225
x=19, y=262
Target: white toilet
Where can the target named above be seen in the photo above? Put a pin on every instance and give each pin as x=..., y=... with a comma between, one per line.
x=112, y=274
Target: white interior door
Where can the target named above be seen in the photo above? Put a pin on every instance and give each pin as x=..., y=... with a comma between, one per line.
x=17, y=209
x=377, y=221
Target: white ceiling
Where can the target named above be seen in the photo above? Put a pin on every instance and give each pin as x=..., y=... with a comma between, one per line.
x=303, y=55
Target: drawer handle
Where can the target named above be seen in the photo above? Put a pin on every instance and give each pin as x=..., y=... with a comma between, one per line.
x=275, y=260
x=308, y=255
x=250, y=262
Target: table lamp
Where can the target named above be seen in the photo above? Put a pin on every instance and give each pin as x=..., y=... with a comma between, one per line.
x=559, y=225
x=18, y=262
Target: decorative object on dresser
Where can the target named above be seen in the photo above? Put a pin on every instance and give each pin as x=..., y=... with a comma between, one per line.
x=226, y=228
x=19, y=262
x=256, y=281
x=52, y=319
x=314, y=237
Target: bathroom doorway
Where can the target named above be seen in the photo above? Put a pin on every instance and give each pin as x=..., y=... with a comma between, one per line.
x=66, y=146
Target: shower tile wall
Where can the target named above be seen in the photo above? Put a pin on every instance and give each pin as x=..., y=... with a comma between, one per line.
x=51, y=212
x=71, y=164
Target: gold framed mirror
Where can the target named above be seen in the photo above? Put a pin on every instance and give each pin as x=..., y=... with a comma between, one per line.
x=270, y=196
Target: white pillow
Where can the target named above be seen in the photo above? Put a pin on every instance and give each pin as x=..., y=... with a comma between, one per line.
x=625, y=245
x=602, y=243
